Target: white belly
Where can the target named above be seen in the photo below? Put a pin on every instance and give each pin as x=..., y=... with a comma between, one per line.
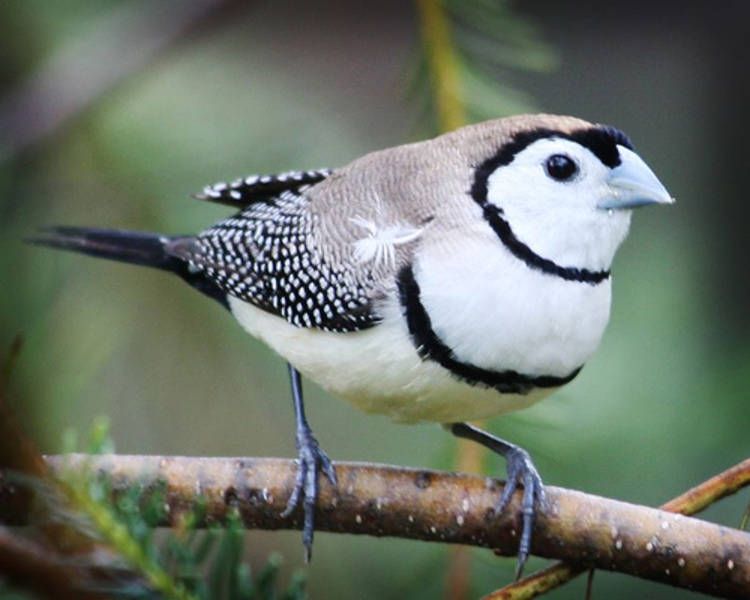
x=378, y=369
x=494, y=313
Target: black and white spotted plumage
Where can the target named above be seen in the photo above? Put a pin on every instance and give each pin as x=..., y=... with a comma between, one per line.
x=264, y=255
x=253, y=188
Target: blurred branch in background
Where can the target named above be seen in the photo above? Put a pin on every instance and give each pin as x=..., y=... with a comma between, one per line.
x=117, y=45
x=49, y=559
x=470, y=50
x=441, y=59
x=449, y=508
x=28, y=565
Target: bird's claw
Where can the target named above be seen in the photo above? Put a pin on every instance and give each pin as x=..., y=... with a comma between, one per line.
x=521, y=469
x=311, y=461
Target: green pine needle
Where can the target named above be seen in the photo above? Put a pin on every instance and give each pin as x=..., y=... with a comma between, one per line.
x=186, y=563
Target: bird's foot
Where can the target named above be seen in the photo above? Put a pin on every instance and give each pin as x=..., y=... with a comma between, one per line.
x=311, y=461
x=521, y=470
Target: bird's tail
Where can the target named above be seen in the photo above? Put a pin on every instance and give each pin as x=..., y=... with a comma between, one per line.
x=134, y=247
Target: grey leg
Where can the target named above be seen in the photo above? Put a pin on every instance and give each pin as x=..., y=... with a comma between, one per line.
x=311, y=460
x=521, y=469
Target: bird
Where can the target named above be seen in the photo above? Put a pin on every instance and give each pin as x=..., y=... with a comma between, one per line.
x=448, y=280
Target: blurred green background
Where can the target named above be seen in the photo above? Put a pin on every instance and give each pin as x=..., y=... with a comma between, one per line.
x=113, y=113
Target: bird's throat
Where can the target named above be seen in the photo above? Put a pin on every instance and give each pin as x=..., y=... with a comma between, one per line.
x=502, y=229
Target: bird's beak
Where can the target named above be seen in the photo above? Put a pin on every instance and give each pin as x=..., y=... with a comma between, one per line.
x=632, y=184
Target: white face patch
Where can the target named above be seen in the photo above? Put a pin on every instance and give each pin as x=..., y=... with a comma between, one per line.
x=380, y=242
x=559, y=220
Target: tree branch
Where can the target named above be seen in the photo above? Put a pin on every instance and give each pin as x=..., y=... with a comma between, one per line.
x=720, y=486
x=693, y=501
x=30, y=565
x=440, y=507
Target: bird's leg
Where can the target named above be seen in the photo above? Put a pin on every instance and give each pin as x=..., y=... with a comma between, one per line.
x=520, y=469
x=311, y=461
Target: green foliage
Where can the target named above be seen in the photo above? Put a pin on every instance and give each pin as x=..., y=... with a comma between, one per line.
x=201, y=564
x=184, y=563
x=489, y=41
x=187, y=563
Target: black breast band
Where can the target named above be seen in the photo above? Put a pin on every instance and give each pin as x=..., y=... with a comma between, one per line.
x=430, y=346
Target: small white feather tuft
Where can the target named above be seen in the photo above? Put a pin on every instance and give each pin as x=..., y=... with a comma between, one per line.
x=379, y=245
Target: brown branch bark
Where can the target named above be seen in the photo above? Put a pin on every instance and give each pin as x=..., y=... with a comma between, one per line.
x=42, y=570
x=445, y=507
x=693, y=501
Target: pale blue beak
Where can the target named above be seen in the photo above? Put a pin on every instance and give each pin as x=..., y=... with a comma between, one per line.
x=632, y=184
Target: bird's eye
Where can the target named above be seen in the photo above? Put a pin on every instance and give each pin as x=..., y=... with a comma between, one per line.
x=560, y=167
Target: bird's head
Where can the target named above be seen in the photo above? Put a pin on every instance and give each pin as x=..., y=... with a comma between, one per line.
x=561, y=188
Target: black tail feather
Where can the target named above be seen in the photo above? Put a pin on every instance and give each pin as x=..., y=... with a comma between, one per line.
x=134, y=247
